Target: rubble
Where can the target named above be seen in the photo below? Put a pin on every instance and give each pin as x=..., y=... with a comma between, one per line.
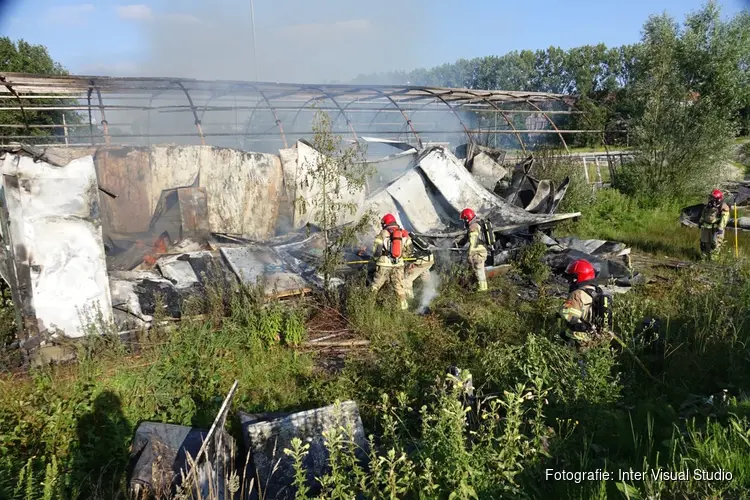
x=53, y=246
x=533, y=195
x=610, y=259
x=255, y=263
x=268, y=435
x=216, y=221
x=164, y=457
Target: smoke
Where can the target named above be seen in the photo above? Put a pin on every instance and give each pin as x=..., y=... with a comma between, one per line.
x=429, y=292
x=297, y=40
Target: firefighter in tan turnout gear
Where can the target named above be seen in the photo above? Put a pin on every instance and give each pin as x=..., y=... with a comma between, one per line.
x=478, y=235
x=424, y=259
x=388, y=253
x=713, y=222
x=588, y=310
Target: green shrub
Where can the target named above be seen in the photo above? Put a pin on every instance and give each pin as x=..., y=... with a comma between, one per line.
x=452, y=454
x=529, y=261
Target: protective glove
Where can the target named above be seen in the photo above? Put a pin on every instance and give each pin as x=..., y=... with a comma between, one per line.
x=580, y=326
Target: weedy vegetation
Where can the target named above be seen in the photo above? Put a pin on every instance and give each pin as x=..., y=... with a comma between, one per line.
x=673, y=396
x=534, y=404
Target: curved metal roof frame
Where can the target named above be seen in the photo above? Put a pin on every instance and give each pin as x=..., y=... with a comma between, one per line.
x=22, y=90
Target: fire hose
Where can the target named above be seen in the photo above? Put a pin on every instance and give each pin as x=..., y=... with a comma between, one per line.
x=356, y=262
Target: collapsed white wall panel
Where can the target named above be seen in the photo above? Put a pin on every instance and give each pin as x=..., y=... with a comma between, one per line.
x=56, y=236
x=68, y=276
x=459, y=188
x=288, y=159
x=243, y=188
x=487, y=171
x=252, y=264
x=390, y=168
x=178, y=271
x=543, y=191
x=419, y=208
x=309, y=190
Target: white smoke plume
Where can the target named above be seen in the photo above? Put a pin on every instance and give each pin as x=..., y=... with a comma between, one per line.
x=298, y=41
x=429, y=292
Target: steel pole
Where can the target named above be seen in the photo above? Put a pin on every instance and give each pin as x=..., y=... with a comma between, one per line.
x=255, y=44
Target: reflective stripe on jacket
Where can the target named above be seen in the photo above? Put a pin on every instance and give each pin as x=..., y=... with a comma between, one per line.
x=578, y=306
x=715, y=217
x=475, y=240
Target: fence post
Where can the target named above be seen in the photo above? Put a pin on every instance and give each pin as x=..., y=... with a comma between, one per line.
x=586, y=170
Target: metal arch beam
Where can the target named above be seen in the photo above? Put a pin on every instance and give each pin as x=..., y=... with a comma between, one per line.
x=403, y=113
x=250, y=118
x=424, y=105
x=336, y=103
x=466, y=129
x=283, y=94
x=301, y=108
x=390, y=97
x=275, y=116
x=192, y=108
x=392, y=101
x=304, y=106
x=278, y=121
x=378, y=114
x=91, y=121
x=20, y=103
x=105, y=124
x=567, y=150
x=341, y=112
x=205, y=106
x=505, y=117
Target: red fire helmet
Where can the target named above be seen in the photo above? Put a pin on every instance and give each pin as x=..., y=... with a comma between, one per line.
x=581, y=270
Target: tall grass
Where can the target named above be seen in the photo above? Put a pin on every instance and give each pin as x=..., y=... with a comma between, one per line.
x=615, y=216
x=68, y=428
x=65, y=430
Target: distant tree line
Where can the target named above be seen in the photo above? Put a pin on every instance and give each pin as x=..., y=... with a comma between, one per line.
x=713, y=56
x=682, y=93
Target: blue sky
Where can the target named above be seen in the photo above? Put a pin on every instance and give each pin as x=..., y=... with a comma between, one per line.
x=315, y=40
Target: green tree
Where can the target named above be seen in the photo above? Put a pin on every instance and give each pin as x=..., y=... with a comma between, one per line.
x=337, y=171
x=687, y=94
x=23, y=57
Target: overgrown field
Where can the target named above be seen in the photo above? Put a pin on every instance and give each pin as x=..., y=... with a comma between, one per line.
x=65, y=430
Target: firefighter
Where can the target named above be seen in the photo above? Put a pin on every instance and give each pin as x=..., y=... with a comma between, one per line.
x=713, y=221
x=389, y=259
x=477, y=248
x=587, y=311
x=423, y=262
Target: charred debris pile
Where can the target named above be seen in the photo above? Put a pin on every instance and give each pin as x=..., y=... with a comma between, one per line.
x=98, y=233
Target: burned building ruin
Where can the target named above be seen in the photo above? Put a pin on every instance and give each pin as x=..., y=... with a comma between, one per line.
x=153, y=185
